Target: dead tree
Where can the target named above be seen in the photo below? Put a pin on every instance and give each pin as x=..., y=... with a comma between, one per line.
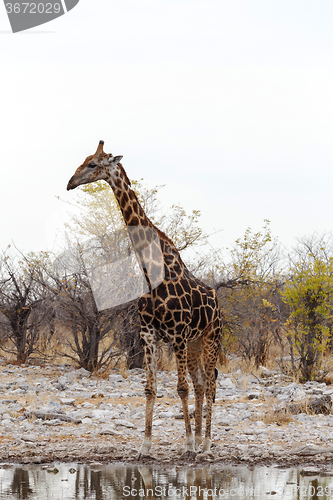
x=22, y=304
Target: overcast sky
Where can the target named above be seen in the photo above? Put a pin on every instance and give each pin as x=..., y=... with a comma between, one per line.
x=228, y=103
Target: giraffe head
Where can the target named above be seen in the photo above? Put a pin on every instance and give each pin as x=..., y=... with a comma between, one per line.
x=96, y=167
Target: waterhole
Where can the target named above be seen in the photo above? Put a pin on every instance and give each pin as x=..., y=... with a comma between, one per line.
x=120, y=482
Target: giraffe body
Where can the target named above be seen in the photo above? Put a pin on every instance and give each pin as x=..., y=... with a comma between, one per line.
x=179, y=307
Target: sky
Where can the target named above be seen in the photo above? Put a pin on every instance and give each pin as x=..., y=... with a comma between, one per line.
x=229, y=104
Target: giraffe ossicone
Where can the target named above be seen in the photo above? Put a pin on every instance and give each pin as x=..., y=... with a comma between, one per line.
x=177, y=306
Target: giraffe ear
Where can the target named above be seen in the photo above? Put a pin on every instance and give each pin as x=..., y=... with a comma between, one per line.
x=116, y=159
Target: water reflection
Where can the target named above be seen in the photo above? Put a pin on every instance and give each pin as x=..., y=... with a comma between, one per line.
x=21, y=484
x=119, y=482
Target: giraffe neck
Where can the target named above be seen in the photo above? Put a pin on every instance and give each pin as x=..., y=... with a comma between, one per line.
x=142, y=232
x=130, y=207
x=157, y=253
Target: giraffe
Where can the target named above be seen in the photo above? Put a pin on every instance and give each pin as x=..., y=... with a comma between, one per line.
x=179, y=308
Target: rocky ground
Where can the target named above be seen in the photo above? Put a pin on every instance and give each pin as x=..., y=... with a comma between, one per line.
x=60, y=413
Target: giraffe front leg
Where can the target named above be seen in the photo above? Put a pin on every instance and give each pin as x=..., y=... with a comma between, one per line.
x=211, y=344
x=147, y=476
x=149, y=345
x=210, y=393
x=183, y=390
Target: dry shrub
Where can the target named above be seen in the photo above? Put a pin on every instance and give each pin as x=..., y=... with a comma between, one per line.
x=272, y=415
x=124, y=370
x=234, y=364
x=328, y=379
x=278, y=417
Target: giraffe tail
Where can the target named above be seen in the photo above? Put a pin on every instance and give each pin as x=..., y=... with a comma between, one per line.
x=216, y=375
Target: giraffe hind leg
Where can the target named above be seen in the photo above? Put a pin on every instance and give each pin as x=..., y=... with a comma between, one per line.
x=183, y=391
x=198, y=377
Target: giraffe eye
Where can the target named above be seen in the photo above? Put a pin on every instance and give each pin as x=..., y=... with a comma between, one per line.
x=92, y=165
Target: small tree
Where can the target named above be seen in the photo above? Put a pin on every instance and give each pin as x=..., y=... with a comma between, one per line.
x=309, y=293
x=23, y=303
x=247, y=293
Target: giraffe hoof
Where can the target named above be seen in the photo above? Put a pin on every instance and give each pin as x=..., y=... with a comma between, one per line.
x=190, y=454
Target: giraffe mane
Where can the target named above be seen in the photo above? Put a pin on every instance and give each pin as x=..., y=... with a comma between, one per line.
x=124, y=175
x=166, y=238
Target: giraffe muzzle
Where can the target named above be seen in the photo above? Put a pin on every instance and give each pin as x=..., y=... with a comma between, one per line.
x=71, y=184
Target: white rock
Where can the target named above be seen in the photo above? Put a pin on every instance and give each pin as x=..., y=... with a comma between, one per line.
x=68, y=401
x=124, y=423
x=115, y=378
x=282, y=397
x=63, y=380
x=82, y=373
x=227, y=384
x=115, y=395
x=6, y=422
x=50, y=423
x=158, y=422
x=298, y=394
x=109, y=431
x=18, y=392
x=87, y=421
x=165, y=414
x=101, y=414
x=86, y=404
x=29, y=437
x=54, y=407
x=141, y=416
x=254, y=395
x=244, y=448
